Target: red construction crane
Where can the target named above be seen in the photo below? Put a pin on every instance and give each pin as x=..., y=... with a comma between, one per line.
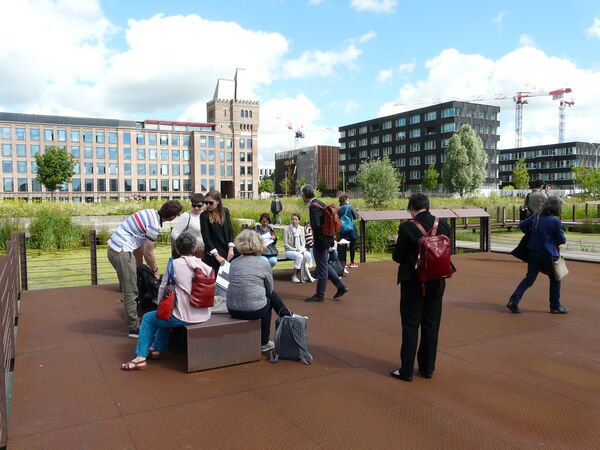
x=298, y=133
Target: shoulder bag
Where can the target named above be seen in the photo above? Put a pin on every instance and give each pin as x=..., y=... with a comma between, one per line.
x=167, y=302
x=560, y=268
x=203, y=288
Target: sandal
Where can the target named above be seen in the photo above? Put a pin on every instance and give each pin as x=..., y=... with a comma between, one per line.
x=153, y=354
x=133, y=365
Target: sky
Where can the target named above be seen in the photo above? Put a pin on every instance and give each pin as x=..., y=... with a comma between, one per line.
x=317, y=64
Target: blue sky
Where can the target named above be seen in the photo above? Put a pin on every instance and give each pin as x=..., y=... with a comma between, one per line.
x=319, y=64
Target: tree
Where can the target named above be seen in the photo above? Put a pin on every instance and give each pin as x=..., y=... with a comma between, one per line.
x=286, y=185
x=379, y=181
x=430, y=178
x=266, y=185
x=54, y=167
x=321, y=185
x=588, y=178
x=520, y=176
x=464, y=170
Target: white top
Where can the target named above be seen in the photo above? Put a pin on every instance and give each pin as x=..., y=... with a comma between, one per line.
x=188, y=222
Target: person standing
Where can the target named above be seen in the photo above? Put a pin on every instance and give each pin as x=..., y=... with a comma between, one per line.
x=132, y=241
x=276, y=208
x=536, y=198
x=189, y=221
x=321, y=246
x=349, y=232
x=217, y=231
x=420, y=303
x=546, y=237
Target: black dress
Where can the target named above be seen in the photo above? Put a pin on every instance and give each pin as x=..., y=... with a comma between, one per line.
x=216, y=236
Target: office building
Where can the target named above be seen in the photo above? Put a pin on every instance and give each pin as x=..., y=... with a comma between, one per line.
x=116, y=159
x=551, y=163
x=415, y=139
x=265, y=173
x=310, y=165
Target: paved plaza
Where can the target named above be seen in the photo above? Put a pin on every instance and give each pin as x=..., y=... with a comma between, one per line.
x=502, y=381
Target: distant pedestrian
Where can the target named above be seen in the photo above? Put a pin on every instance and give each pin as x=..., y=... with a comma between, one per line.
x=536, y=198
x=321, y=246
x=132, y=241
x=348, y=232
x=276, y=208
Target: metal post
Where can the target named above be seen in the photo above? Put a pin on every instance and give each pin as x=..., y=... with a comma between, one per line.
x=514, y=213
x=586, y=209
x=363, y=243
x=93, y=258
x=498, y=214
x=453, y=231
x=503, y=216
x=574, y=212
x=23, y=259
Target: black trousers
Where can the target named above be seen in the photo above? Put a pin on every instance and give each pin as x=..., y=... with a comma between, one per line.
x=420, y=311
x=342, y=251
x=274, y=302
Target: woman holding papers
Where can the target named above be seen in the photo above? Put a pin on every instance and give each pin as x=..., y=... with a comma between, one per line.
x=217, y=231
x=250, y=294
x=267, y=234
x=294, y=243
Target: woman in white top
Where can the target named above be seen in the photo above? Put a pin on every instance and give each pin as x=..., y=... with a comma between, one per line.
x=189, y=221
x=295, y=247
x=154, y=332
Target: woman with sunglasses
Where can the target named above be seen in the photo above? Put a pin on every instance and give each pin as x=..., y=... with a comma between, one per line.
x=217, y=231
x=189, y=221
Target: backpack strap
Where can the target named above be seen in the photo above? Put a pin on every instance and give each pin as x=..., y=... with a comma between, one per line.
x=432, y=231
x=419, y=227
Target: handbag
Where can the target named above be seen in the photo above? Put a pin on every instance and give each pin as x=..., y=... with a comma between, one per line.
x=270, y=251
x=521, y=251
x=167, y=302
x=203, y=288
x=560, y=268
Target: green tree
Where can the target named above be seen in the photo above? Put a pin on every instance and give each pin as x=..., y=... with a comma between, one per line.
x=588, y=178
x=321, y=185
x=301, y=182
x=464, y=170
x=379, y=181
x=520, y=176
x=286, y=186
x=54, y=167
x=266, y=185
x=430, y=178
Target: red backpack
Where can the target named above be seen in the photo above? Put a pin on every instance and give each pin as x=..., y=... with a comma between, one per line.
x=203, y=288
x=331, y=220
x=433, y=255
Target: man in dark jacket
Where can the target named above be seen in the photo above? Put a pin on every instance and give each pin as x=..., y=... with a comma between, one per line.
x=420, y=306
x=321, y=246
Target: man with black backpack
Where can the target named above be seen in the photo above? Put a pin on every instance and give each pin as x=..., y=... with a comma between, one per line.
x=423, y=252
x=325, y=223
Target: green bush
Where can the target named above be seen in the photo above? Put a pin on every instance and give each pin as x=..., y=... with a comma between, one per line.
x=53, y=229
x=7, y=228
x=378, y=235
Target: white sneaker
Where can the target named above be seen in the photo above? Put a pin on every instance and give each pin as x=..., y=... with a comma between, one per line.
x=268, y=346
x=346, y=270
x=295, y=279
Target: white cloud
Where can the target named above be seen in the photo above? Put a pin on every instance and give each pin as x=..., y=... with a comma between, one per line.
x=454, y=75
x=367, y=37
x=348, y=106
x=594, y=30
x=384, y=75
x=499, y=17
x=407, y=67
x=377, y=6
x=527, y=41
x=301, y=113
x=315, y=63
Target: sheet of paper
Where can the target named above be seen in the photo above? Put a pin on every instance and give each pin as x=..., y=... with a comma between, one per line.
x=223, y=276
x=343, y=242
x=267, y=239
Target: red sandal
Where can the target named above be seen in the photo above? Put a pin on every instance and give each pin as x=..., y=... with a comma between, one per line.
x=133, y=365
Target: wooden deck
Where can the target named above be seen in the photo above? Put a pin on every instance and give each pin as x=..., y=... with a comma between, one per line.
x=502, y=380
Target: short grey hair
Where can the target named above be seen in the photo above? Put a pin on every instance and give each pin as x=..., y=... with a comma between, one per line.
x=249, y=242
x=308, y=191
x=186, y=243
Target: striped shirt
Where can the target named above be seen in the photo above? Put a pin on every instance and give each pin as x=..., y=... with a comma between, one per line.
x=308, y=235
x=134, y=231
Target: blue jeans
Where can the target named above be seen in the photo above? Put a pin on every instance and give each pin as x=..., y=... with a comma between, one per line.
x=155, y=333
x=536, y=263
x=272, y=260
x=324, y=271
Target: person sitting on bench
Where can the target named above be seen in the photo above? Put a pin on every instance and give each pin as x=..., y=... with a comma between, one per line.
x=250, y=295
x=154, y=332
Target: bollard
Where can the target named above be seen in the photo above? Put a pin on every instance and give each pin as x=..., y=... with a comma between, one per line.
x=574, y=212
x=93, y=258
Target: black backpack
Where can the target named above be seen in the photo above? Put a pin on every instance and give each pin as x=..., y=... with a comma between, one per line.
x=147, y=285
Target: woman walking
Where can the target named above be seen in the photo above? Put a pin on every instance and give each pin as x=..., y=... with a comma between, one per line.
x=349, y=232
x=546, y=235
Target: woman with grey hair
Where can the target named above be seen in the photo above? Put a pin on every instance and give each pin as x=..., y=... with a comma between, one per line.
x=546, y=235
x=155, y=332
x=250, y=295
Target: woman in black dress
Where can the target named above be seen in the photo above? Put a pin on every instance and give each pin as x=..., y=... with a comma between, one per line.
x=217, y=231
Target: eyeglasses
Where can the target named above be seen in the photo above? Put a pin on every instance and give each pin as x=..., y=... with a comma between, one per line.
x=208, y=203
x=199, y=205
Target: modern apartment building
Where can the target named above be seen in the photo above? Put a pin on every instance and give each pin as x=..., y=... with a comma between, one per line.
x=415, y=139
x=552, y=163
x=117, y=159
x=265, y=173
x=308, y=165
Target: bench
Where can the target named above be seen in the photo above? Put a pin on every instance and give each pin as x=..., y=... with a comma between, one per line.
x=222, y=341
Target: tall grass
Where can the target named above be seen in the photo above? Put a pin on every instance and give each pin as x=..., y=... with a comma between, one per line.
x=7, y=228
x=53, y=229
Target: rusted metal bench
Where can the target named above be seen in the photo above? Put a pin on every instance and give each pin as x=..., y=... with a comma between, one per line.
x=222, y=341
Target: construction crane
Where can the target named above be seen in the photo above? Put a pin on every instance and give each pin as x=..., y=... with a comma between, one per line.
x=298, y=132
x=520, y=99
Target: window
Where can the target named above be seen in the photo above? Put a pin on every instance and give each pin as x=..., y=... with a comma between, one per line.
x=432, y=115
x=141, y=185
x=211, y=155
x=8, y=185
x=186, y=155
x=387, y=151
x=101, y=184
x=7, y=166
x=34, y=149
x=152, y=169
x=75, y=151
x=400, y=135
x=415, y=132
x=175, y=139
x=186, y=169
x=152, y=139
x=363, y=141
x=186, y=140
x=242, y=170
x=400, y=149
x=228, y=142
x=363, y=154
x=400, y=162
x=229, y=171
x=21, y=150
x=443, y=158
x=211, y=170
x=362, y=130
x=112, y=169
x=7, y=132
x=202, y=141
x=449, y=127
x=153, y=185
x=387, y=125
x=152, y=154
x=416, y=118
x=430, y=159
x=76, y=184
x=127, y=169
x=140, y=139
x=374, y=139
x=242, y=157
x=89, y=184
x=164, y=185
x=249, y=143
x=401, y=122
x=88, y=152
x=352, y=167
x=141, y=169
x=249, y=157
x=176, y=186
x=164, y=169
x=127, y=153
x=429, y=145
x=112, y=137
x=112, y=152
x=175, y=155
x=33, y=167
x=164, y=139
x=242, y=143
x=414, y=174
x=127, y=184
x=445, y=143
x=449, y=112
x=76, y=168
x=386, y=138
x=211, y=141
x=100, y=153
x=62, y=135
x=127, y=139
x=221, y=142
x=374, y=152
x=175, y=169
x=415, y=146
x=164, y=154
x=36, y=186
x=229, y=156
x=352, y=132
x=48, y=134
x=34, y=134
x=202, y=155
x=187, y=185
x=342, y=133
x=21, y=166
x=100, y=137
x=6, y=150
x=113, y=185
x=141, y=154
x=88, y=168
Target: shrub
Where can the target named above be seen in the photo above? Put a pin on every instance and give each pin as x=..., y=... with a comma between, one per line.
x=7, y=228
x=53, y=229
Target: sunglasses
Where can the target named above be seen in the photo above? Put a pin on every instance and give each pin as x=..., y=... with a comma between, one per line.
x=198, y=205
x=209, y=203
